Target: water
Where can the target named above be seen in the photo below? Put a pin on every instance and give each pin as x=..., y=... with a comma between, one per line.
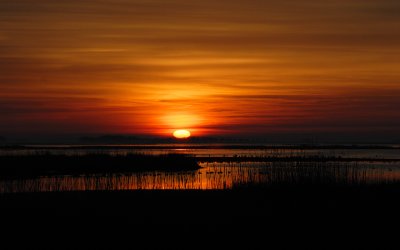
x=218, y=175
x=215, y=176
x=214, y=151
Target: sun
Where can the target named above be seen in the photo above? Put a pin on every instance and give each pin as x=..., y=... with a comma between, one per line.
x=181, y=134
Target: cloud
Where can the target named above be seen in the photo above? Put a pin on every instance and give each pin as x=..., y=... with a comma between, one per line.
x=259, y=65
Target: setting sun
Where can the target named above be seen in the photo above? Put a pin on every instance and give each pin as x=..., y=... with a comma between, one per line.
x=181, y=134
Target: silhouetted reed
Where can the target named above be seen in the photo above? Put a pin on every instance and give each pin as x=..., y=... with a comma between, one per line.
x=226, y=175
x=318, y=174
x=291, y=158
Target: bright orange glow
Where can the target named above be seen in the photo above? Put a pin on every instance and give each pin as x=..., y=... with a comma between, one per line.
x=181, y=134
x=220, y=68
x=180, y=120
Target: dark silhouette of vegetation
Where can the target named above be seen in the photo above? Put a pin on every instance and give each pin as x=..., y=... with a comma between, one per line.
x=46, y=164
x=281, y=217
x=43, y=163
x=201, y=146
x=216, y=176
x=310, y=158
x=328, y=202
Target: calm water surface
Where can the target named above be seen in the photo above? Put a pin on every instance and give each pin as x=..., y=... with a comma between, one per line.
x=215, y=176
x=219, y=175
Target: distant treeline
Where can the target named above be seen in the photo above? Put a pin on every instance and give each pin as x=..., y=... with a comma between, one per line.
x=200, y=146
x=45, y=164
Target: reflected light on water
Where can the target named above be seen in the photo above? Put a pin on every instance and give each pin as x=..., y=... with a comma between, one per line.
x=214, y=176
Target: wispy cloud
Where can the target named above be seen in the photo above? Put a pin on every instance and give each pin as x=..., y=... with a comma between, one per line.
x=228, y=66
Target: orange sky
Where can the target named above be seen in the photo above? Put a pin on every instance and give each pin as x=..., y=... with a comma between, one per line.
x=213, y=67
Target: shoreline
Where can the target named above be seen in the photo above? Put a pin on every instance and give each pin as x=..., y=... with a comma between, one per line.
x=196, y=146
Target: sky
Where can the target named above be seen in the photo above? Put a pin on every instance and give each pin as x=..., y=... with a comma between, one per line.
x=217, y=68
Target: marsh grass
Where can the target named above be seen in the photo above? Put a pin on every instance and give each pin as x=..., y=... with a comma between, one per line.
x=217, y=176
x=318, y=174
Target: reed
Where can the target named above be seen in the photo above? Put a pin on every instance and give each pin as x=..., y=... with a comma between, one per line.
x=222, y=176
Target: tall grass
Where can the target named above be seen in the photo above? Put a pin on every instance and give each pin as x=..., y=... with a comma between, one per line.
x=218, y=176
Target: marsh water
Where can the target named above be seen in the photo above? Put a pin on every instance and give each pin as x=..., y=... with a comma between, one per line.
x=215, y=150
x=222, y=175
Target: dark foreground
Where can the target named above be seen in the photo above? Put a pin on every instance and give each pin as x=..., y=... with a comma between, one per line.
x=278, y=217
x=46, y=164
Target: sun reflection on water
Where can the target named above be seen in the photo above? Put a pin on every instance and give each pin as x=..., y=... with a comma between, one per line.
x=213, y=176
